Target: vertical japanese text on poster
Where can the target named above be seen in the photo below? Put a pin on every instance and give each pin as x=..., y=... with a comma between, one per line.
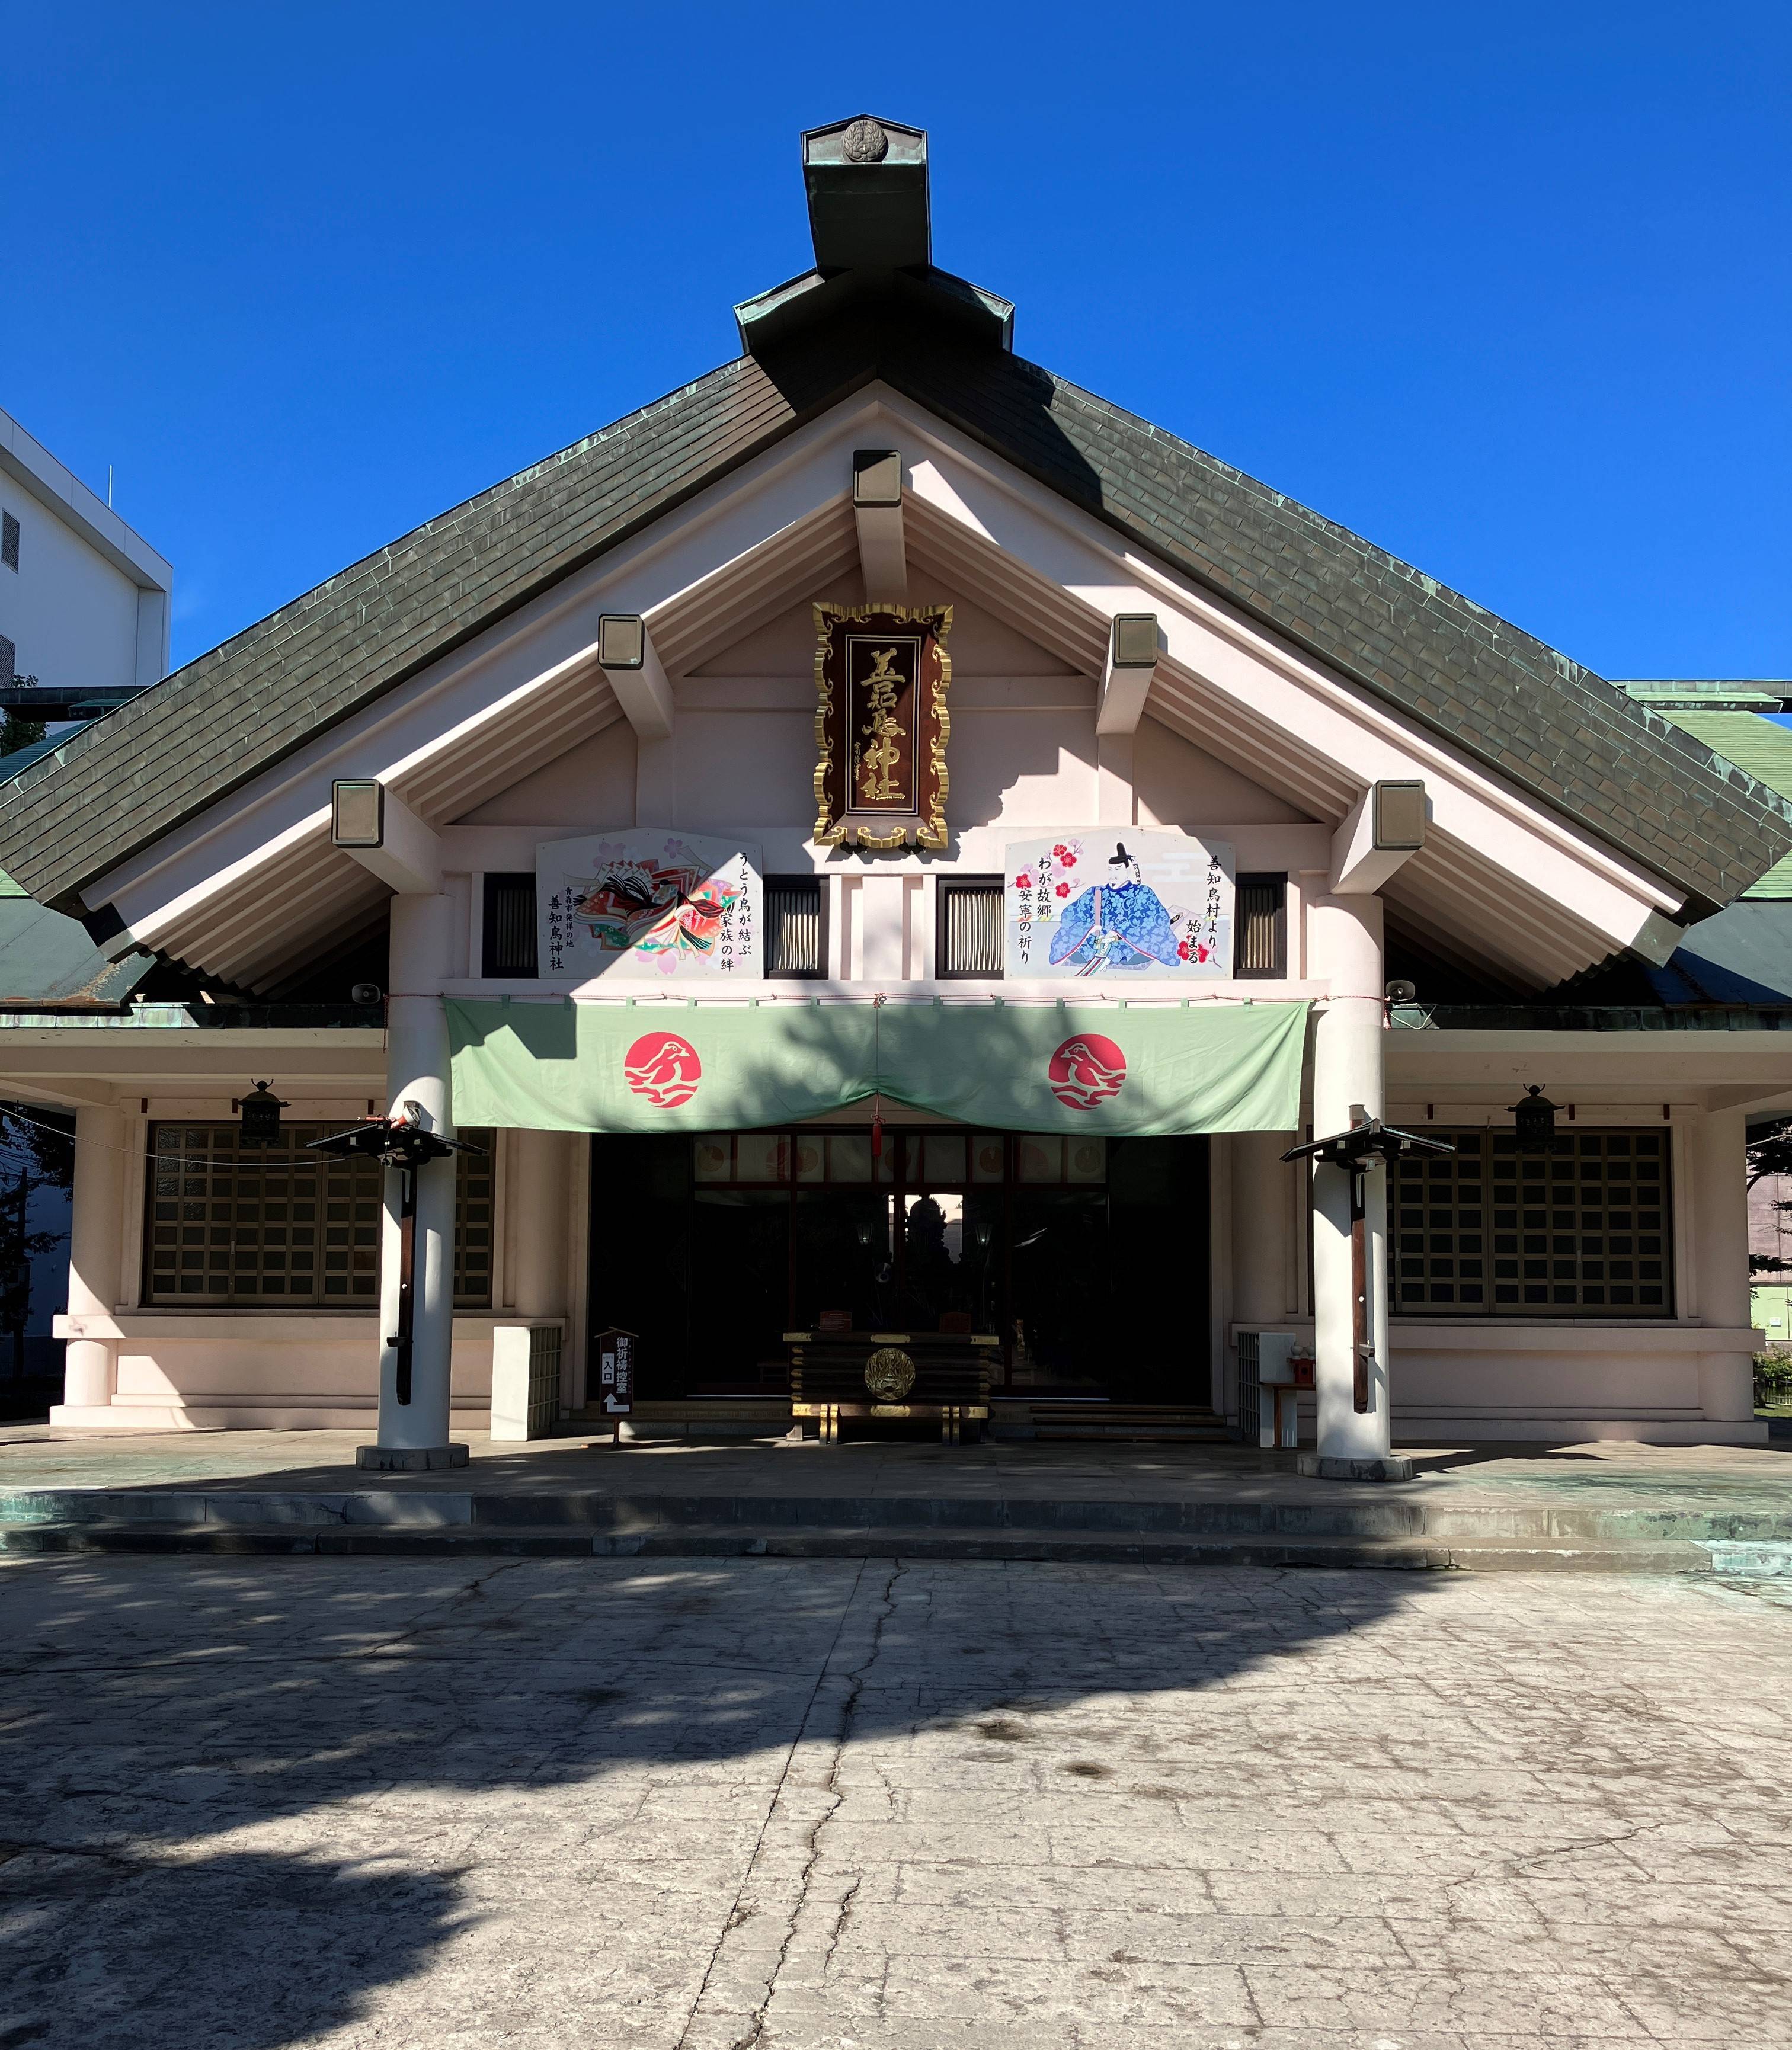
x=1125, y=902
x=670, y=901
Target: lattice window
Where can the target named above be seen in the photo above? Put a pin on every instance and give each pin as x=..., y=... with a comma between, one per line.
x=273, y=1225
x=473, y=1221
x=1584, y=1230
x=279, y=1226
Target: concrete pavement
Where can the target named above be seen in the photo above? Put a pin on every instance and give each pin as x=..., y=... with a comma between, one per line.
x=696, y=1806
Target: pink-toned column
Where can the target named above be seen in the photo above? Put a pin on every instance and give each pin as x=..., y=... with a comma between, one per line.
x=1348, y=1072
x=415, y=1434
x=96, y=1253
x=1718, y=1144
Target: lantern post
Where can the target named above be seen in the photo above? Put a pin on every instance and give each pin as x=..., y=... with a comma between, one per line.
x=1367, y=1145
x=400, y=1143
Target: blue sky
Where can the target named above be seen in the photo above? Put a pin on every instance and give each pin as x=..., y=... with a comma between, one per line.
x=1506, y=288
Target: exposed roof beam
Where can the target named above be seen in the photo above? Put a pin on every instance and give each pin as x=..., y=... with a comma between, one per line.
x=1132, y=648
x=625, y=654
x=59, y=1093
x=1657, y=939
x=878, y=514
x=374, y=826
x=1385, y=829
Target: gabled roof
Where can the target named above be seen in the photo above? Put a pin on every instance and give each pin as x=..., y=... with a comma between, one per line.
x=1548, y=725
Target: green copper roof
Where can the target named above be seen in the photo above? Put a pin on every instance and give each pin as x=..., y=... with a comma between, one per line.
x=1707, y=693
x=47, y=961
x=1761, y=749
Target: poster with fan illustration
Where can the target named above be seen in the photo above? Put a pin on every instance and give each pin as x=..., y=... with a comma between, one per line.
x=647, y=900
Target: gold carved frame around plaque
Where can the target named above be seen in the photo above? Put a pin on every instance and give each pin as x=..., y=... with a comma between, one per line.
x=836, y=823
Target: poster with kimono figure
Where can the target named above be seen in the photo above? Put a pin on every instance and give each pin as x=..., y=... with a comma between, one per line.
x=647, y=902
x=1118, y=901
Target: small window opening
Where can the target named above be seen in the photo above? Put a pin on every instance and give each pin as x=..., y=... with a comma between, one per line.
x=796, y=938
x=1261, y=942
x=507, y=944
x=968, y=942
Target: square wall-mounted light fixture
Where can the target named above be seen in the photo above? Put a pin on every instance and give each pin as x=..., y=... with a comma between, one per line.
x=1399, y=816
x=357, y=812
x=876, y=477
x=622, y=640
x=1136, y=640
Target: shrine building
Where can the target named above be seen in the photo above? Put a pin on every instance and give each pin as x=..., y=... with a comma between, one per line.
x=881, y=849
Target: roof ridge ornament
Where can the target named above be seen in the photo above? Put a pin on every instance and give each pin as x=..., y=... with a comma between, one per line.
x=866, y=182
x=865, y=142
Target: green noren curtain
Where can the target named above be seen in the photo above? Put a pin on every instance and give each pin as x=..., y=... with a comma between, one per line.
x=1121, y=1070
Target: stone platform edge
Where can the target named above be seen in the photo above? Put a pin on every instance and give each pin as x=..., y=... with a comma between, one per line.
x=820, y=1542
x=1374, y=1515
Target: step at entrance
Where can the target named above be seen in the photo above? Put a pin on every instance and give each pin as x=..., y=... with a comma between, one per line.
x=1151, y=1423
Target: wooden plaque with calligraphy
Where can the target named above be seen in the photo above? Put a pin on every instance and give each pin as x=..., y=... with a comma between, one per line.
x=881, y=675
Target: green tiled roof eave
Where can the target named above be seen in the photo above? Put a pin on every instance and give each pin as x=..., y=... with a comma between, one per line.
x=1557, y=730
x=1776, y=882
x=1755, y=745
x=1762, y=750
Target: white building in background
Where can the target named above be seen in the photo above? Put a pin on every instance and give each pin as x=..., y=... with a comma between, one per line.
x=85, y=605
x=83, y=599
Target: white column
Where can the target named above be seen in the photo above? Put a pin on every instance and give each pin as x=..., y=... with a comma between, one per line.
x=536, y=1195
x=1347, y=1070
x=1259, y=1201
x=1115, y=798
x=881, y=894
x=417, y=1072
x=536, y=1189
x=95, y=1251
x=1718, y=1145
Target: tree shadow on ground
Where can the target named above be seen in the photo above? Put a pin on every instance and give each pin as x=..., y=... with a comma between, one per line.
x=606, y=1720
x=242, y=1950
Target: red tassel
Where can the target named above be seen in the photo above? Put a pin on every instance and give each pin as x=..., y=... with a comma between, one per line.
x=877, y=1137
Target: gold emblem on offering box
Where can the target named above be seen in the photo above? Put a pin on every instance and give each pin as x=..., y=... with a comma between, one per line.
x=881, y=726
x=889, y=1374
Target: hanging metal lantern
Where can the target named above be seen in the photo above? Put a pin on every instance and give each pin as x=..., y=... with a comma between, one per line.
x=1534, y=1116
x=261, y=1112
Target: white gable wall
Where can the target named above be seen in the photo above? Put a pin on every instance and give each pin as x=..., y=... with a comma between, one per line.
x=239, y=888
x=591, y=784
x=1022, y=755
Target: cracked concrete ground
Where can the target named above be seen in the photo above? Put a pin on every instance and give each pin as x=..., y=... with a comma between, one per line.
x=717, y=1804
